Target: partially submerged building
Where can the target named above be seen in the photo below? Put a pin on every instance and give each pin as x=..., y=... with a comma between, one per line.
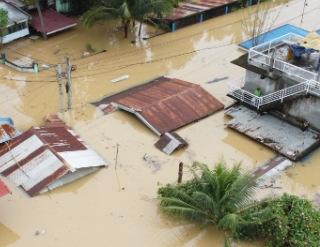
x=44, y=158
x=164, y=105
x=17, y=26
x=53, y=20
x=195, y=11
x=191, y=12
x=280, y=98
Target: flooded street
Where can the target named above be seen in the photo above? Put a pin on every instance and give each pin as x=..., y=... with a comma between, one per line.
x=118, y=207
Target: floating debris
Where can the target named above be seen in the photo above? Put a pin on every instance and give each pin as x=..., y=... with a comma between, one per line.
x=7, y=130
x=121, y=78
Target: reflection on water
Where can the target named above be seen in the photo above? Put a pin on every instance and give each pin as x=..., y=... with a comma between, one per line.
x=7, y=236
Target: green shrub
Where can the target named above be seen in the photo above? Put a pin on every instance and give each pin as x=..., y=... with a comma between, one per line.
x=285, y=221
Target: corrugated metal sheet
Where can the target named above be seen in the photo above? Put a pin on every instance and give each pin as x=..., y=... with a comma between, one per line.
x=164, y=104
x=3, y=189
x=186, y=9
x=170, y=142
x=54, y=21
x=7, y=130
x=42, y=156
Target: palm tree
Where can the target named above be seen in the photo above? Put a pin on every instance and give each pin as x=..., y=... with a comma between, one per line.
x=142, y=10
x=213, y=197
x=126, y=10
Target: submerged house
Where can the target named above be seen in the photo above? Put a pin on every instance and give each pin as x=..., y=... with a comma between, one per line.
x=279, y=103
x=44, y=158
x=17, y=22
x=53, y=20
x=195, y=11
x=164, y=105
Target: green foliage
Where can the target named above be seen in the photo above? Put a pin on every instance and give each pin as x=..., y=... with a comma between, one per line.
x=211, y=197
x=286, y=221
x=127, y=11
x=4, y=18
x=89, y=48
x=222, y=197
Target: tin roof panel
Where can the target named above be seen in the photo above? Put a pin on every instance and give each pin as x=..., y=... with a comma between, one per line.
x=41, y=156
x=165, y=104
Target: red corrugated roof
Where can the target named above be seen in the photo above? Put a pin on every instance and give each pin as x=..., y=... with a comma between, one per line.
x=165, y=104
x=53, y=21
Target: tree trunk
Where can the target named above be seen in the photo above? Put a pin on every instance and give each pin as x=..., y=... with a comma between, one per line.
x=43, y=30
x=126, y=25
x=140, y=29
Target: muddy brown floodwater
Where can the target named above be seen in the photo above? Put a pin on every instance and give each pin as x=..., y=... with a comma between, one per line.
x=120, y=209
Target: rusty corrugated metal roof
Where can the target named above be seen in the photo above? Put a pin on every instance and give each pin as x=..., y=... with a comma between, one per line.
x=164, y=104
x=7, y=130
x=170, y=142
x=194, y=7
x=40, y=158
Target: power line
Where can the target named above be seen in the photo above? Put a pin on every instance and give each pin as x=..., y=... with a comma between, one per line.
x=181, y=38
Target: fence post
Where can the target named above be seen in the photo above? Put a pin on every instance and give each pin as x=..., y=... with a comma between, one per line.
x=200, y=19
x=173, y=26
x=282, y=95
x=180, y=172
x=226, y=9
x=3, y=58
x=35, y=67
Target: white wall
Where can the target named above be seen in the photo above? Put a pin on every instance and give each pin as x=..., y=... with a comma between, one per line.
x=16, y=35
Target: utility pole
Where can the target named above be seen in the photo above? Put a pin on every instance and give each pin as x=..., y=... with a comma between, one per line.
x=63, y=73
x=304, y=6
x=180, y=173
x=68, y=83
x=59, y=79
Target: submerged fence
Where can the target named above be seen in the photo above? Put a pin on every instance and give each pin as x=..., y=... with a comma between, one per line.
x=34, y=68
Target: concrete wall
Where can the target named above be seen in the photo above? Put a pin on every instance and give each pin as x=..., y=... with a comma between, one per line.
x=267, y=85
x=304, y=108
x=298, y=109
x=16, y=35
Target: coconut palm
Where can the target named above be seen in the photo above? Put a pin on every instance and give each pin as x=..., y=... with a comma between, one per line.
x=213, y=197
x=143, y=10
x=128, y=11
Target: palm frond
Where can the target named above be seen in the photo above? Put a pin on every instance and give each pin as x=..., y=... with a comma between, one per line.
x=98, y=13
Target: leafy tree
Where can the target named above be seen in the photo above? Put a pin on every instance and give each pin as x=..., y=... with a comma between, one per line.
x=288, y=221
x=223, y=197
x=128, y=11
x=213, y=197
x=4, y=20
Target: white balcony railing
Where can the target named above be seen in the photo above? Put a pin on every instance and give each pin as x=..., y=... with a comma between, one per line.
x=312, y=87
x=262, y=56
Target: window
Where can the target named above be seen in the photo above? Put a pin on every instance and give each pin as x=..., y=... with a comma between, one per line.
x=17, y=27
